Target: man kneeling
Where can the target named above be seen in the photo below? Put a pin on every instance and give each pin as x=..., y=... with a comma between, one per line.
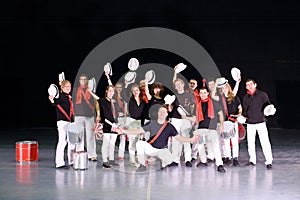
x=160, y=131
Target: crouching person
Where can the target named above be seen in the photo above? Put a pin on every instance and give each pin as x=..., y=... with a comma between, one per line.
x=160, y=131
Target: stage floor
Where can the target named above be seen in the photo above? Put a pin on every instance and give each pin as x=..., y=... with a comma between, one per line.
x=40, y=180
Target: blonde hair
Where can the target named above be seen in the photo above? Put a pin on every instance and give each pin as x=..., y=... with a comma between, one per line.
x=63, y=83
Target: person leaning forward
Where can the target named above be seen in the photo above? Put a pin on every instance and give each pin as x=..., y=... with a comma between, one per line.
x=160, y=131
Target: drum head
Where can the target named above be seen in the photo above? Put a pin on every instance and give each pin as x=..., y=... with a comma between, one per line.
x=242, y=132
x=133, y=64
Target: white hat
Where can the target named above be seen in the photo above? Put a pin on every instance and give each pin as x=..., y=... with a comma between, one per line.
x=61, y=77
x=169, y=99
x=269, y=110
x=241, y=119
x=221, y=82
x=133, y=64
x=130, y=77
x=108, y=69
x=92, y=85
x=179, y=68
x=150, y=76
x=53, y=91
x=236, y=74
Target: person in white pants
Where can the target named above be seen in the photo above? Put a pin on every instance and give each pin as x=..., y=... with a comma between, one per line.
x=254, y=103
x=64, y=114
x=160, y=131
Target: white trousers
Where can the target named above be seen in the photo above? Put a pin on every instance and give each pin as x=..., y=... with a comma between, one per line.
x=262, y=131
x=63, y=140
x=132, y=140
x=144, y=149
x=213, y=146
x=121, y=120
x=108, y=146
x=88, y=123
x=225, y=145
x=183, y=127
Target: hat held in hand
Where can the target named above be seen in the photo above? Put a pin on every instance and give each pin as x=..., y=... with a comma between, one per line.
x=133, y=64
x=169, y=99
x=269, y=110
x=108, y=69
x=236, y=74
x=53, y=91
x=179, y=68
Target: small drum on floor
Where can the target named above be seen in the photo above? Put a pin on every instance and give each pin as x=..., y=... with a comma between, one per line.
x=80, y=160
x=26, y=151
x=229, y=130
x=202, y=133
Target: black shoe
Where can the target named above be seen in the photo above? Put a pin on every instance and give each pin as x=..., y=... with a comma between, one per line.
x=236, y=162
x=173, y=164
x=141, y=168
x=269, y=166
x=209, y=161
x=106, y=165
x=221, y=169
x=193, y=160
x=113, y=163
x=188, y=164
x=63, y=167
x=250, y=164
x=201, y=164
x=226, y=161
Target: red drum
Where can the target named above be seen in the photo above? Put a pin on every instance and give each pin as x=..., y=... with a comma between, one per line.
x=27, y=151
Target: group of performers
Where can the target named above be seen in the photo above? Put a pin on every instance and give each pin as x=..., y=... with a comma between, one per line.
x=199, y=123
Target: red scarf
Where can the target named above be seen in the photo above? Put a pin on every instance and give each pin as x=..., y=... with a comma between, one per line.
x=145, y=96
x=120, y=103
x=199, y=112
x=81, y=93
x=251, y=93
x=224, y=104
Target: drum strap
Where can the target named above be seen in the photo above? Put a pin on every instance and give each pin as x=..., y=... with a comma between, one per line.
x=64, y=112
x=159, y=132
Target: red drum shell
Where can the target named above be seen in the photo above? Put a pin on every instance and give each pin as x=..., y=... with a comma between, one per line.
x=26, y=151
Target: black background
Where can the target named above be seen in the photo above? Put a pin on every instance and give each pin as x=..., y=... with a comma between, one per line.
x=40, y=39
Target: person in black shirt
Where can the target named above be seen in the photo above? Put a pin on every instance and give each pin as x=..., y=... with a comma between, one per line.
x=160, y=131
x=64, y=115
x=254, y=103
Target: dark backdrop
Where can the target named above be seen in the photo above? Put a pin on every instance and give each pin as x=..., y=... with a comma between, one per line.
x=40, y=39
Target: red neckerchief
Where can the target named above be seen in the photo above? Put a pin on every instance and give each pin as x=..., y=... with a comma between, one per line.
x=224, y=104
x=251, y=93
x=145, y=96
x=120, y=103
x=81, y=93
x=199, y=112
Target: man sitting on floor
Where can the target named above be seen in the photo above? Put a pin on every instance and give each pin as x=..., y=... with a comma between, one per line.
x=160, y=131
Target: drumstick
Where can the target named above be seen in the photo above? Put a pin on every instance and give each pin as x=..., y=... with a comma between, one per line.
x=94, y=95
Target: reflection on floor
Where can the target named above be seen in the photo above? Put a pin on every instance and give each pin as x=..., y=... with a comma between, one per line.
x=40, y=180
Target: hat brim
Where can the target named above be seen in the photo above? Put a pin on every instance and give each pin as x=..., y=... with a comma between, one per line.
x=221, y=85
x=169, y=99
x=92, y=85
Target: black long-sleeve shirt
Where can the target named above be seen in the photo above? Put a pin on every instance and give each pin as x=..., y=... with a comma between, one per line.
x=63, y=101
x=253, y=106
